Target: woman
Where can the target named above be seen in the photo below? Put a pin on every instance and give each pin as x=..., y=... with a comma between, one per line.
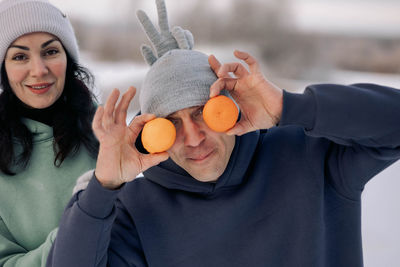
x=46, y=140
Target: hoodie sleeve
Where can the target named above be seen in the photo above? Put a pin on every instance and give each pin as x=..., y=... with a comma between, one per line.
x=362, y=123
x=96, y=230
x=85, y=229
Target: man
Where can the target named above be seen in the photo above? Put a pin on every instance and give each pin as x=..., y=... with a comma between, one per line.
x=281, y=188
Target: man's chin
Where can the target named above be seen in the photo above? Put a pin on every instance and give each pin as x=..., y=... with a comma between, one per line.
x=201, y=176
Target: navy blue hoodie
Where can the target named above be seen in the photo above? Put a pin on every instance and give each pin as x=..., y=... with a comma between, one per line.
x=290, y=195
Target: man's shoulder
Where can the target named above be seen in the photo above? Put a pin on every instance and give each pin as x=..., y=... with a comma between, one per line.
x=293, y=138
x=141, y=185
x=291, y=133
x=290, y=139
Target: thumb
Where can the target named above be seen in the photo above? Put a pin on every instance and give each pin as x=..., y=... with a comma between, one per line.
x=151, y=160
x=239, y=129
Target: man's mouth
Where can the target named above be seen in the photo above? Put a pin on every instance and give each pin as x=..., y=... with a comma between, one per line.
x=201, y=157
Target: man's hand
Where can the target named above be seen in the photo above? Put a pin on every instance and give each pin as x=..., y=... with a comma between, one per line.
x=259, y=100
x=119, y=161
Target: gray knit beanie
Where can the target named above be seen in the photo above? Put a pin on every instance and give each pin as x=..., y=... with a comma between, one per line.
x=19, y=17
x=179, y=77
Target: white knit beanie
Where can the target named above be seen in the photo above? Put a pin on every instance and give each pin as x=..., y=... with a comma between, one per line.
x=179, y=77
x=19, y=17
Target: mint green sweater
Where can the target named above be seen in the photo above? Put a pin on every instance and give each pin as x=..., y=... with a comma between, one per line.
x=31, y=202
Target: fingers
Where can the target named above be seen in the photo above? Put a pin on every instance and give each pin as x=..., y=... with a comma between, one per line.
x=97, y=119
x=251, y=61
x=214, y=63
x=221, y=84
x=122, y=108
x=108, y=116
x=236, y=68
x=225, y=81
x=137, y=125
x=222, y=71
x=239, y=129
x=151, y=160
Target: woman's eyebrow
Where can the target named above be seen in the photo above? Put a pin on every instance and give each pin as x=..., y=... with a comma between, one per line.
x=48, y=42
x=20, y=47
x=27, y=48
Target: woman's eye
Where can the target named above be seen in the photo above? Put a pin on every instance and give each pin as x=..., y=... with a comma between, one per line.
x=19, y=57
x=51, y=52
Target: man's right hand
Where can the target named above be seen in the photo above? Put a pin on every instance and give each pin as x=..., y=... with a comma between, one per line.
x=118, y=160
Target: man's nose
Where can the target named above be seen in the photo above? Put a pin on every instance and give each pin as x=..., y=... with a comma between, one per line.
x=38, y=67
x=193, y=135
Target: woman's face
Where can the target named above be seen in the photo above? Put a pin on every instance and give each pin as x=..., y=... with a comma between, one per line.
x=36, y=64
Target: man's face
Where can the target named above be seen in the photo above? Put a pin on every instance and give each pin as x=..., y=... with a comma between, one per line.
x=203, y=153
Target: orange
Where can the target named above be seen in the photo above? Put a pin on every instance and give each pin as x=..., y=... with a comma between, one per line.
x=158, y=135
x=220, y=113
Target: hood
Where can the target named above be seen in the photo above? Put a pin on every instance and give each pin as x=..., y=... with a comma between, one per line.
x=170, y=175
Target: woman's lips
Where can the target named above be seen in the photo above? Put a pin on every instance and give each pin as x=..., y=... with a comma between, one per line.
x=40, y=88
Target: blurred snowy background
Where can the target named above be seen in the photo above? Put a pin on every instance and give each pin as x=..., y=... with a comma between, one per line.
x=299, y=42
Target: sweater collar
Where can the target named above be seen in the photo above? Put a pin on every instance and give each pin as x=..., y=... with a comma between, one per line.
x=43, y=115
x=40, y=131
x=170, y=175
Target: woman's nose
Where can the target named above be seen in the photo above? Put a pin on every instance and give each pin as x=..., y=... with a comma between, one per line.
x=38, y=67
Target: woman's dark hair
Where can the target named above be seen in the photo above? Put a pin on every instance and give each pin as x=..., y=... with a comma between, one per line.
x=71, y=128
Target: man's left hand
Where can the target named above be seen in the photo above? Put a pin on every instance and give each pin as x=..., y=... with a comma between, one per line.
x=259, y=100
